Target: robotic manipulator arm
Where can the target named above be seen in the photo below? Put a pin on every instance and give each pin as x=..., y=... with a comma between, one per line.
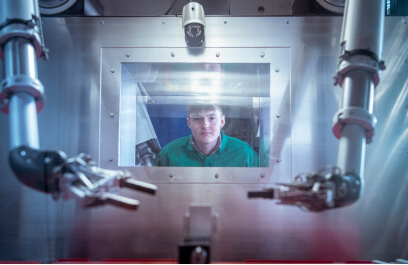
x=358, y=75
x=22, y=96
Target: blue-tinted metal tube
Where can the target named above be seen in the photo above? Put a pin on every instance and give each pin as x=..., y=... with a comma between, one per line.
x=20, y=63
x=23, y=121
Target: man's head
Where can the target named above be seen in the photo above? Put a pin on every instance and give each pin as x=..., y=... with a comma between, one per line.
x=205, y=122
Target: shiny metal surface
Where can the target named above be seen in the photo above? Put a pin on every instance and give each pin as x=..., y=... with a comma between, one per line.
x=34, y=227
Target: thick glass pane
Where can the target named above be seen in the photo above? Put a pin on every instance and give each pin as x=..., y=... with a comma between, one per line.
x=154, y=103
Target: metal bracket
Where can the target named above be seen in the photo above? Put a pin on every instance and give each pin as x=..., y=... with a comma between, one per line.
x=358, y=61
x=354, y=115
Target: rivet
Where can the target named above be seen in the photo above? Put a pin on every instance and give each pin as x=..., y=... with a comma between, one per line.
x=277, y=69
x=23, y=153
x=217, y=54
x=262, y=175
x=47, y=160
x=216, y=175
x=278, y=160
x=171, y=175
x=110, y=159
x=112, y=70
x=172, y=54
x=111, y=114
x=278, y=115
x=127, y=54
x=163, y=22
x=102, y=21
x=262, y=54
x=225, y=22
x=287, y=22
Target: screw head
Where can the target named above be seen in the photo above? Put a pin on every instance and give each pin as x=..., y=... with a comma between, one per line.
x=111, y=114
x=225, y=22
x=262, y=175
x=278, y=115
x=102, y=22
x=110, y=159
x=127, y=54
x=277, y=69
x=262, y=54
x=278, y=160
x=112, y=70
x=171, y=175
x=217, y=54
x=216, y=175
x=172, y=54
x=163, y=22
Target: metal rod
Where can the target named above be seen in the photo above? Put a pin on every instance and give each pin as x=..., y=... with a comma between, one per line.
x=358, y=92
x=23, y=121
x=20, y=60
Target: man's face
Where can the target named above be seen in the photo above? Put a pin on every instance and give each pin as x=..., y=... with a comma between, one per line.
x=205, y=126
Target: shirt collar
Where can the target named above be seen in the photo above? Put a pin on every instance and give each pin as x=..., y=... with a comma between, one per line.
x=216, y=149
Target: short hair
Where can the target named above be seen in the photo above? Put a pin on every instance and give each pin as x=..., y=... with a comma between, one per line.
x=198, y=108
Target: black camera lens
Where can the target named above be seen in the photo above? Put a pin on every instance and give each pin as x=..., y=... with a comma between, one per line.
x=194, y=34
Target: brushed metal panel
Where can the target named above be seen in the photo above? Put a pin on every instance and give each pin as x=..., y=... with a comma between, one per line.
x=34, y=227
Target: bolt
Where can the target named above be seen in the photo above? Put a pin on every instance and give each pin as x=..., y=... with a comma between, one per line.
x=171, y=175
x=262, y=54
x=277, y=69
x=23, y=153
x=127, y=54
x=278, y=160
x=278, y=115
x=110, y=159
x=112, y=70
x=111, y=114
x=217, y=54
x=262, y=175
x=216, y=175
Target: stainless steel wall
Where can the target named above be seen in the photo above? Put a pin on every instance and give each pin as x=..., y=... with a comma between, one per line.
x=34, y=227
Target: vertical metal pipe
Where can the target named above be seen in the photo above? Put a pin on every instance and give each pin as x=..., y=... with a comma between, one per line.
x=20, y=60
x=358, y=92
x=23, y=121
x=364, y=25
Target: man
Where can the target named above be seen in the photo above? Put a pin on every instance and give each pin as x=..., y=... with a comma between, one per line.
x=207, y=146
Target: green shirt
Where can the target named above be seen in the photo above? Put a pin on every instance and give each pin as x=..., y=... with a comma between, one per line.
x=233, y=153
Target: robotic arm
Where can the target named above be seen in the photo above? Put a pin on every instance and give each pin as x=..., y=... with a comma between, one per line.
x=358, y=75
x=22, y=96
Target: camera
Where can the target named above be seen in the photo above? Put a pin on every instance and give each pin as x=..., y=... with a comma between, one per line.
x=194, y=24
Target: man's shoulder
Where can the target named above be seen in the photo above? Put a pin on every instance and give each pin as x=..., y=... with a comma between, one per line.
x=177, y=143
x=237, y=142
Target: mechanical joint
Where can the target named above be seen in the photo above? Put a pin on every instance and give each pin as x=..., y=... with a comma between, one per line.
x=21, y=83
x=359, y=60
x=354, y=115
x=30, y=30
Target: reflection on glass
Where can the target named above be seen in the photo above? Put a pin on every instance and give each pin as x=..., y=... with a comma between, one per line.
x=194, y=114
